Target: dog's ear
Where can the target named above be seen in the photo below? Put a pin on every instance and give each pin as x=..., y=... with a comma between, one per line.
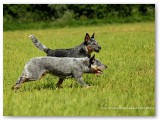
x=92, y=36
x=87, y=38
x=92, y=59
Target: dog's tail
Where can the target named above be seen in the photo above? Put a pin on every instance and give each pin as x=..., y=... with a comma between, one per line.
x=38, y=44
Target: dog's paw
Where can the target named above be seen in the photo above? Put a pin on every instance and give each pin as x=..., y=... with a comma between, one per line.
x=86, y=86
x=15, y=87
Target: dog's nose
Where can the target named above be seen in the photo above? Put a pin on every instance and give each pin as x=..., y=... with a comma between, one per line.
x=99, y=47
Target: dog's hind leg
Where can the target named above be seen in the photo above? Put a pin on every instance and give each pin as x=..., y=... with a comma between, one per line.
x=28, y=76
x=19, y=83
x=59, y=84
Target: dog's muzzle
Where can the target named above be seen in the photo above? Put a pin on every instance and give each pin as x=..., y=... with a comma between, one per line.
x=97, y=49
x=98, y=70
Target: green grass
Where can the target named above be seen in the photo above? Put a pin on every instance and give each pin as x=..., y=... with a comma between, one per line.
x=127, y=49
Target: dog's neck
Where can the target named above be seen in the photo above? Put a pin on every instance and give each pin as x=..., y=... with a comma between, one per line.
x=86, y=65
x=84, y=50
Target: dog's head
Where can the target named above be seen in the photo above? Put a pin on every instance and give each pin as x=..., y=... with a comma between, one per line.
x=96, y=66
x=91, y=43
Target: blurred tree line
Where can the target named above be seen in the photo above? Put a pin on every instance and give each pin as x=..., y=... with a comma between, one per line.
x=76, y=14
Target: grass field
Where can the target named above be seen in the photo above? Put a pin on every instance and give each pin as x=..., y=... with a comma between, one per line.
x=126, y=88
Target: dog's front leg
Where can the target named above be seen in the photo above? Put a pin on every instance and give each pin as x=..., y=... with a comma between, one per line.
x=77, y=73
x=82, y=83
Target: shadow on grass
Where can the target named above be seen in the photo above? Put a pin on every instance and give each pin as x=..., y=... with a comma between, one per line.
x=48, y=86
x=38, y=86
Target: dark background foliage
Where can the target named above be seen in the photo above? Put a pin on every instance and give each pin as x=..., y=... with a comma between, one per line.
x=38, y=16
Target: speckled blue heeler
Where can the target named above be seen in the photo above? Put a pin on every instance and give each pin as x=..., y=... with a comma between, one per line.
x=64, y=68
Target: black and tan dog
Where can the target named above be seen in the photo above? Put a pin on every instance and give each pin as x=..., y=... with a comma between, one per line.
x=84, y=50
x=64, y=68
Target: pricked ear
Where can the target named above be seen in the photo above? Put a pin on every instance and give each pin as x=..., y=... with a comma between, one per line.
x=93, y=35
x=87, y=37
x=92, y=59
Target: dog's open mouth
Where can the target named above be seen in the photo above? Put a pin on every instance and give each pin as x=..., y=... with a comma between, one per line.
x=98, y=72
x=96, y=51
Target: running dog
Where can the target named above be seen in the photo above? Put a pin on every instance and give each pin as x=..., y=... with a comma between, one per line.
x=64, y=68
x=84, y=50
